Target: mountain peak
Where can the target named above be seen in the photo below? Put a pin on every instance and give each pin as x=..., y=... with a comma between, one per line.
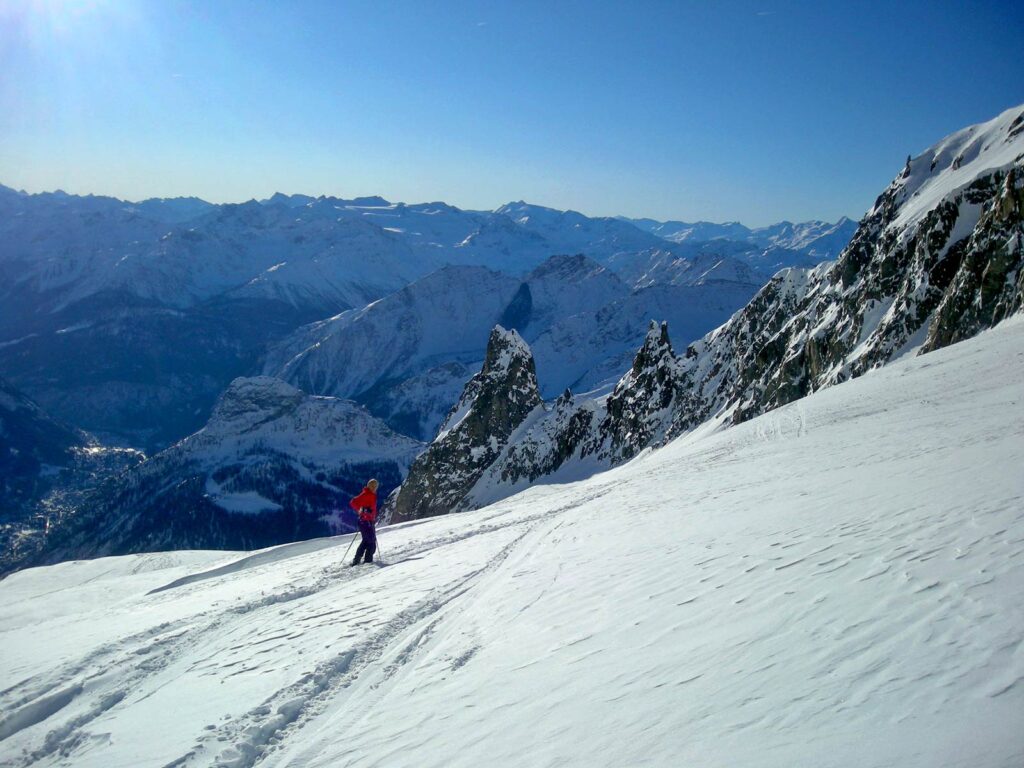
x=505, y=348
x=493, y=405
x=250, y=401
x=656, y=346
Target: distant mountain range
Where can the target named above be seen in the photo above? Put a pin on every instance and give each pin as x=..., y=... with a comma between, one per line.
x=464, y=383
x=129, y=319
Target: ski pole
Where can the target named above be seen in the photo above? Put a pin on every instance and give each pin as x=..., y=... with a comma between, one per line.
x=345, y=558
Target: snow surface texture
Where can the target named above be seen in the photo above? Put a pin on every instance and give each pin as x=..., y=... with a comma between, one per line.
x=834, y=583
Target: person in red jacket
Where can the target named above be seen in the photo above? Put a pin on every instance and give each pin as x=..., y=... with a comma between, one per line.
x=365, y=505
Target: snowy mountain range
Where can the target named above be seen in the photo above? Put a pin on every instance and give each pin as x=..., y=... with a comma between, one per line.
x=936, y=260
x=423, y=341
x=764, y=248
x=129, y=319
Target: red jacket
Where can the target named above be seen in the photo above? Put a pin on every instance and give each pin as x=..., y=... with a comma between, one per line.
x=366, y=500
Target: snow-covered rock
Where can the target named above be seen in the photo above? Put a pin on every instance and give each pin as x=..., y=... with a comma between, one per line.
x=493, y=404
x=273, y=464
x=575, y=437
x=937, y=259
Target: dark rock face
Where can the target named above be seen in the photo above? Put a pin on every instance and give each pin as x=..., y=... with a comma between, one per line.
x=989, y=284
x=494, y=403
x=637, y=411
x=596, y=433
x=899, y=288
x=517, y=314
x=46, y=467
x=29, y=439
x=35, y=450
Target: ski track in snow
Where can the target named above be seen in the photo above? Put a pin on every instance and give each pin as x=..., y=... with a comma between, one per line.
x=835, y=583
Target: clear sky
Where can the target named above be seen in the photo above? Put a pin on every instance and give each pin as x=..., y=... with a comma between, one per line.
x=750, y=111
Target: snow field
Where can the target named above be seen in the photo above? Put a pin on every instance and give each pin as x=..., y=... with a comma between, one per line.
x=835, y=583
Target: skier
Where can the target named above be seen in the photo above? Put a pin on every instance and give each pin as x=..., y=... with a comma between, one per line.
x=365, y=504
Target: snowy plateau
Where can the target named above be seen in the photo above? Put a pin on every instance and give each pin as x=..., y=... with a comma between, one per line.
x=834, y=583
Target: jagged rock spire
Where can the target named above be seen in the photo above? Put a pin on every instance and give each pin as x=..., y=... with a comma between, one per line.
x=493, y=404
x=639, y=409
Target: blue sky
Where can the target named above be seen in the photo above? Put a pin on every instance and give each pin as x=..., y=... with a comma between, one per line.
x=750, y=111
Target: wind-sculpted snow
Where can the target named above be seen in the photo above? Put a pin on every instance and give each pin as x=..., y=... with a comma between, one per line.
x=833, y=583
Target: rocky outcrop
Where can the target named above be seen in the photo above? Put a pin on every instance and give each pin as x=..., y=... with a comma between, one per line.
x=494, y=403
x=585, y=435
x=989, y=284
x=639, y=410
x=937, y=259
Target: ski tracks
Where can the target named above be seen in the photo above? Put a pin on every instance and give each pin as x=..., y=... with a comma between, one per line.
x=352, y=681
x=223, y=637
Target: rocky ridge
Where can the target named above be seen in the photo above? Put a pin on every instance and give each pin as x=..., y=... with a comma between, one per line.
x=937, y=259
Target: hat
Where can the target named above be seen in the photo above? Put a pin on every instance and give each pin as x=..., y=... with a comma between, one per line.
x=372, y=484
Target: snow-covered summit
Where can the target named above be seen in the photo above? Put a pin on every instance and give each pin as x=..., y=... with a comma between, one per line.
x=269, y=414
x=953, y=164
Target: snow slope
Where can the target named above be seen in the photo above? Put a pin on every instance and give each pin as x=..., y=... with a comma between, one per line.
x=835, y=583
